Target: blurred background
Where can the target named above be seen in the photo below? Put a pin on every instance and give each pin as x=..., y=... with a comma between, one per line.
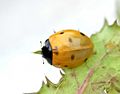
x=24, y=23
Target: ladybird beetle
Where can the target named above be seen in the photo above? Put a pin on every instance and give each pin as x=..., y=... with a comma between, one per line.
x=67, y=48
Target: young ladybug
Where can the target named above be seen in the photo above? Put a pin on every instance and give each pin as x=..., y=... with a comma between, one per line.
x=67, y=48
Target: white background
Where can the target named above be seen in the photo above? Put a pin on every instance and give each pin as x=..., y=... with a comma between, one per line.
x=23, y=23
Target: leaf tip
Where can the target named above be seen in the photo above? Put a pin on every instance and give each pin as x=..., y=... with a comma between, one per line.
x=38, y=52
x=105, y=22
x=115, y=23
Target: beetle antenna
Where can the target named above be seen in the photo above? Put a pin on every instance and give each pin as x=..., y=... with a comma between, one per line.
x=41, y=43
x=42, y=56
x=54, y=31
x=43, y=60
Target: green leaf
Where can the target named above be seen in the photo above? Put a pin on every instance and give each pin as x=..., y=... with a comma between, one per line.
x=100, y=74
x=38, y=52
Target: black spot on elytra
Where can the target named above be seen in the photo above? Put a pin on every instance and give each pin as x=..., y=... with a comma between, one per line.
x=72, y=57
x=82, y=34
x=70, y=40
x=61, y=32
x=65, y=65
x=56, y=53
x=58, y=64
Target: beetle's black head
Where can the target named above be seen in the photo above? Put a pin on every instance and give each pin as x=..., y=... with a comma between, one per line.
x=47, y=51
